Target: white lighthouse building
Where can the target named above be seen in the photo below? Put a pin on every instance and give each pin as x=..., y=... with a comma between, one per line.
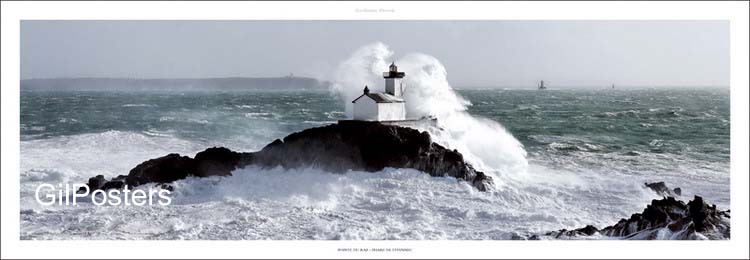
x=387, y=106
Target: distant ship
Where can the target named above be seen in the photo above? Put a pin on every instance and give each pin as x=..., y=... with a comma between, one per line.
x=541, y=85
x=613, y=86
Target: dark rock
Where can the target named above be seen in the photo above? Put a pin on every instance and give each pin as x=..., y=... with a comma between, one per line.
x=694, y=220
x=662, y=189
x=348, y=145
x=367, y=146
x=482, y=182
x=217, y=161
x=164, y=169
x=698, y=212
x=589, y=230
x=114, y=184
x=94, y=183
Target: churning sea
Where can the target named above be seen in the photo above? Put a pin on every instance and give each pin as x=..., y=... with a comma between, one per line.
x=587, y=152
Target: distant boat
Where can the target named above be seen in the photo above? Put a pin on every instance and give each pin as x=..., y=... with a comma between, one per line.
x=613, y=86
x=541, y=85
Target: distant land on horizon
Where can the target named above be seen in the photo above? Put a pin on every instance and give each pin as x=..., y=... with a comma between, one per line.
x=136, y=84
x=254, y=83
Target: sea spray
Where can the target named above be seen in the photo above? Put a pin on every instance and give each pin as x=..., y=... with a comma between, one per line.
x=561, y=189
x=363, y=68
x=484, y=143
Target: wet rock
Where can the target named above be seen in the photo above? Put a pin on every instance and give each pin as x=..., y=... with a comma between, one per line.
x=113, y=184
x=367, y=146
x=667, y=218
x=662, y=189
x=217, y=161
x=482, y=182
x=164, y=169
x=348, y=145
x=589, y=230
x=94, y=183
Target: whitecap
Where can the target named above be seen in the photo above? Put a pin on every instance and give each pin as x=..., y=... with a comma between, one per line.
x=139, y=105
x=261, y=115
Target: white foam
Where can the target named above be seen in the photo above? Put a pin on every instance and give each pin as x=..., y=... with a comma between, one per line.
x=139, y=105
x=261, y=115
x=75, y=158
x=275, y=203
x=483, y=142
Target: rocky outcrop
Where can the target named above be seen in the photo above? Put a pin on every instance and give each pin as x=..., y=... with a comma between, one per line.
x=667, y=218
x=348, y=145
x=367, y=146
x=662, y=189
x=588, y=230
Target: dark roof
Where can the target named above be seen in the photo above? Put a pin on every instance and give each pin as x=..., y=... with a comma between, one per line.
x=381, y=98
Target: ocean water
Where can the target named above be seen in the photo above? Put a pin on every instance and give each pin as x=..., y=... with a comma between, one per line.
x=582, y=158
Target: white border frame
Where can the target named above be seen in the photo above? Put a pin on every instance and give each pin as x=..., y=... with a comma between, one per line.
x=735, y=12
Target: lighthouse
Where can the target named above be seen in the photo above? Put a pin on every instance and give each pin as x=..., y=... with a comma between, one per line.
x=382, y=106
x=393, y=84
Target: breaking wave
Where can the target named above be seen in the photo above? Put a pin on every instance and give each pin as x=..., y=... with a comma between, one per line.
x=567, y=181
x=483, y=142
x=309, y=203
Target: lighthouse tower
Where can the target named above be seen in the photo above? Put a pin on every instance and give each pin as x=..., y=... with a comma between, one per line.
x=393, y=84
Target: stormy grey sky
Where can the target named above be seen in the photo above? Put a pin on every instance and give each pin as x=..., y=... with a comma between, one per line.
x=475, y=53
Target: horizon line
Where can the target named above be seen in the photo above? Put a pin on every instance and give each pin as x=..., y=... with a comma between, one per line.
x=455, y=85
